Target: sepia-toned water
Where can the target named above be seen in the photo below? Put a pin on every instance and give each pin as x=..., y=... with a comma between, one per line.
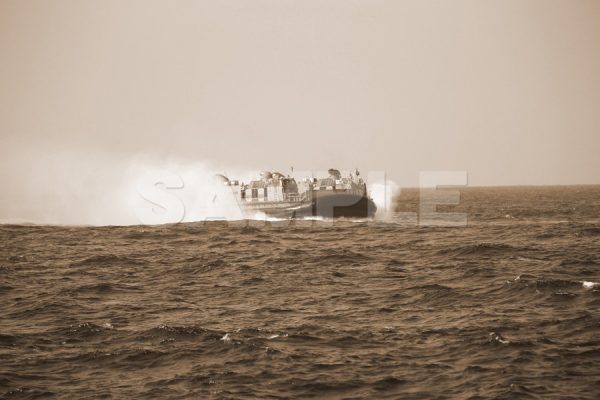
x=507, y=307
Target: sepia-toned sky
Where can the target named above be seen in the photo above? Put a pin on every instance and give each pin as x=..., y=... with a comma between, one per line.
x=508, y=91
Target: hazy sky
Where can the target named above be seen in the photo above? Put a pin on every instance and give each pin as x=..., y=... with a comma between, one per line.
x=507, y=90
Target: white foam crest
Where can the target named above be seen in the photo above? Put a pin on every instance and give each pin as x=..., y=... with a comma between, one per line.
x=314, y=218
x=226, y=338
x=589, y=285
x=496, y=337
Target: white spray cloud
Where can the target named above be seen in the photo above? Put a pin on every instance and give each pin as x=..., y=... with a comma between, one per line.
x=383, y=191
x=101, y=189
x=71, y=189
x=181, y=192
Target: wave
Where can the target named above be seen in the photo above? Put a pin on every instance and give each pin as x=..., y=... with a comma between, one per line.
x=82, y=331
x=178, y=330
x=101, y=288
x=580, y=262
x=7, y=340
x=589, y=231
x=344, y=256
x=555, y=286
x=5, y=288
x=106, y=260
x=482, y=249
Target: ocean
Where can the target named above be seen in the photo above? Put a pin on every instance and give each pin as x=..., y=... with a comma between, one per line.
x=506, y=307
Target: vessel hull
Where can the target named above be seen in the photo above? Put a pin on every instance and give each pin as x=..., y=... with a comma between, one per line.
x=326, y=204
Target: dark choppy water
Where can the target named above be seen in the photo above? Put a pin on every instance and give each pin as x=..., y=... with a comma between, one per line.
x=498, y=309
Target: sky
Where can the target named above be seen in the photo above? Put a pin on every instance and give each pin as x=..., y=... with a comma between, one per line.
x=508, y=91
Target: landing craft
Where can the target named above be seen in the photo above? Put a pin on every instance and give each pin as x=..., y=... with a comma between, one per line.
x=281, y=196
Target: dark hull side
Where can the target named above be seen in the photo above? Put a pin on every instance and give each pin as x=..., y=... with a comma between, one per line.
x=326, y=205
